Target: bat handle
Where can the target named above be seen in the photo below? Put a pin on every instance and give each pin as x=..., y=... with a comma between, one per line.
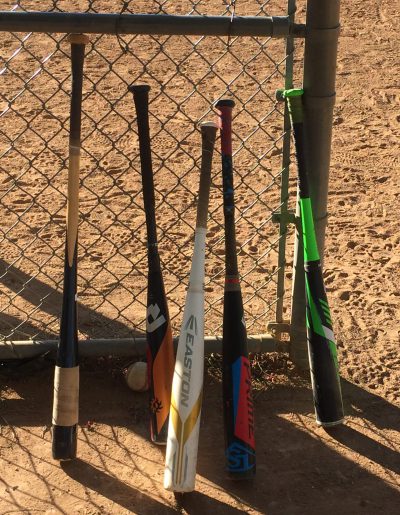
x=78, y=42
x=141, y=100
x=208, y=136
x=140, y=94
x=224, y=109
x=294, y=101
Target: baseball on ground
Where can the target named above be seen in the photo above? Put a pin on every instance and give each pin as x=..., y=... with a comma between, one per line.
x=136, y=377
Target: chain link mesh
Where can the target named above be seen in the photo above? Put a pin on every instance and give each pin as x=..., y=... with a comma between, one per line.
x=187, y=75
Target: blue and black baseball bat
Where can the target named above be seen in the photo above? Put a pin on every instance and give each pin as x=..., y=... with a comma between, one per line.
x=236, y=374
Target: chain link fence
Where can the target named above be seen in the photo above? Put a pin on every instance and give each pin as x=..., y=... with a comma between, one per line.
x=187, y=75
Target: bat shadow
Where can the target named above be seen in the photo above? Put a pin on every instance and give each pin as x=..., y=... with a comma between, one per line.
x=36, y=292
x=11, y=325
x=295, y=456
x=364, y=404
x=197, y=503
x=32, y=380
x=381, y=454
x=113, y=489
x=137, y=501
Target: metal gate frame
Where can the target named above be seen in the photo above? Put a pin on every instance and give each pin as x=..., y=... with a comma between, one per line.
x=321, y=33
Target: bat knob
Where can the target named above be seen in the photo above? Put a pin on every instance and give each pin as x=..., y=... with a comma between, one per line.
x=225, y=102
x=282, y=94
x=78, y=39
x=139, y=88
x=209, y=124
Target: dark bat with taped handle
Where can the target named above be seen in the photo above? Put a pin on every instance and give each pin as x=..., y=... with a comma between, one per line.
x=66, y=378
x=236, y=374
x=321, y=341
x=160, y=349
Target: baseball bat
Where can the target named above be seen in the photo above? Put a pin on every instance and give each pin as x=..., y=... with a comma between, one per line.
x=187, y=386
x=322, y=352
x=160, y=349
x=66, y=377
x=238, y=406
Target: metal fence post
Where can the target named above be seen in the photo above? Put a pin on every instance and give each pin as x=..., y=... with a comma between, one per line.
x=322, y=32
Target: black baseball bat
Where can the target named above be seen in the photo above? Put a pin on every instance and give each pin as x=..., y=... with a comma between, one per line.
x=66, y=378
x=160, y=350
x=322, y=352
x=236, y=373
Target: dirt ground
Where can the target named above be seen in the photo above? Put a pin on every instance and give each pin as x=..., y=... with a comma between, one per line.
x=301, y=469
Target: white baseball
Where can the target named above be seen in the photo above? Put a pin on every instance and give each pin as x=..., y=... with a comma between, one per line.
x=136, y=377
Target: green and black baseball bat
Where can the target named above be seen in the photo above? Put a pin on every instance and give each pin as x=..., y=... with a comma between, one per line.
x=321, y=341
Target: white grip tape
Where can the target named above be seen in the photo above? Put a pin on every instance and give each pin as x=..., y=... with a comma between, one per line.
x=66, y=396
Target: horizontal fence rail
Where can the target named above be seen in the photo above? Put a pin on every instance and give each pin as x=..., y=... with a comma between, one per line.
x=156, y=24
x=130, y=347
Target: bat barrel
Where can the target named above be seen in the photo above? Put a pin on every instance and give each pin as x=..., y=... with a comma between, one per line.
x=66, y=379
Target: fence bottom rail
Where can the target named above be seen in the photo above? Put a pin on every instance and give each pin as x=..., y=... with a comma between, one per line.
x=132, y=347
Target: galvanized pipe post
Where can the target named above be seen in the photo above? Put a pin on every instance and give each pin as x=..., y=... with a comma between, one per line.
x=284, y=212
x=322, y=33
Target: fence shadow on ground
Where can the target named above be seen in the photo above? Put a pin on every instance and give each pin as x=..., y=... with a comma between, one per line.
x=300, y=466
